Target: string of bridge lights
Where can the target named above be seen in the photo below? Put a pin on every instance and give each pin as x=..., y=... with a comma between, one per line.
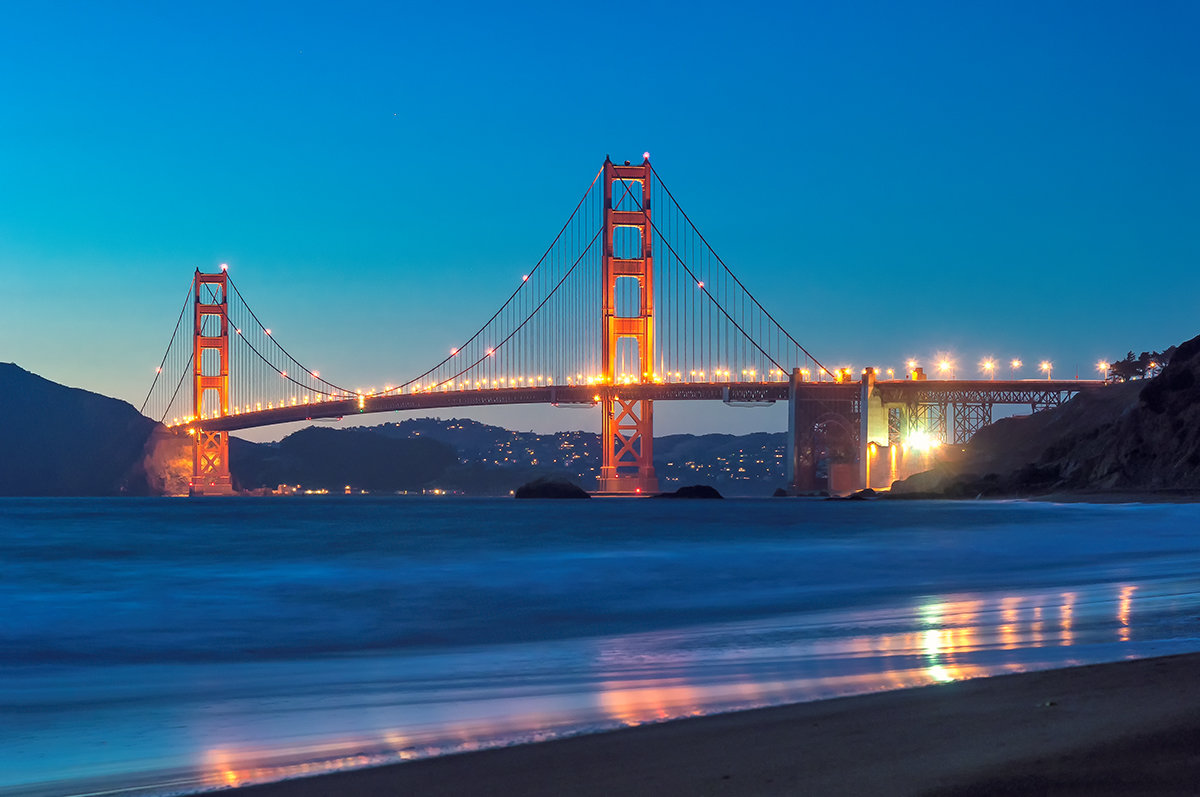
x=946, y=367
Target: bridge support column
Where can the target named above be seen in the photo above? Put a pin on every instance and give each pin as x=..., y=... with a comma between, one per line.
x=627, y=426
x=801, y=458
x=873, y=426
x=210, y=374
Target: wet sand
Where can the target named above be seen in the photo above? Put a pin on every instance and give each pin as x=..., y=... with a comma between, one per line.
x=1110, y=729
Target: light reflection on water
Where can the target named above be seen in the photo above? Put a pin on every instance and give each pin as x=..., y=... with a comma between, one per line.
x=654, y=677
x=160, y=647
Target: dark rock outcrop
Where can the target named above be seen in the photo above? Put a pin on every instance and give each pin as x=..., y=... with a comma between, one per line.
x=694, y=491
x=550, y=487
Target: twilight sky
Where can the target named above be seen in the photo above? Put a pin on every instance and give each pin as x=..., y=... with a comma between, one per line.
x=894, y=180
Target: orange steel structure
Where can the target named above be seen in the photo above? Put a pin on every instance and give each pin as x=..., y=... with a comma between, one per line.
x=210, y=449
x=627, y=424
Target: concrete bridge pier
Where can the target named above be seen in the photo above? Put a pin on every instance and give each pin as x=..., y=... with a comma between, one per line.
x=873, y=428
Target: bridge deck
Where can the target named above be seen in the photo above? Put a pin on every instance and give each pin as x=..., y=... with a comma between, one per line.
x=1025, y=391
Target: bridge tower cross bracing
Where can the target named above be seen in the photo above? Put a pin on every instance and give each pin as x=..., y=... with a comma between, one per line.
x=210, y=450
x=627, y=425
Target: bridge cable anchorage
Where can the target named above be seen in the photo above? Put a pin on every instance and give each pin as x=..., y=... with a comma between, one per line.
x=530, y=316
x=509, y=300
x=728, y=271
x=171, y=342
x=702, y=286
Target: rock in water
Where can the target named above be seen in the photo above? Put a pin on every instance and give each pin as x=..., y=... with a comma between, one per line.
x=550, y=487
x=695, y=491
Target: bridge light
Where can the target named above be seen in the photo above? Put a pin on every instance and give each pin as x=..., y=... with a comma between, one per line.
x=645, y=156
x=453, y=352
x=524, y=278
x=224, y=266
x=283, y=374
x=699, y=284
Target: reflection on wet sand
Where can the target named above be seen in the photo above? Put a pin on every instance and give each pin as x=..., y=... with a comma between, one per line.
x=654, y=677
x=1124, y=609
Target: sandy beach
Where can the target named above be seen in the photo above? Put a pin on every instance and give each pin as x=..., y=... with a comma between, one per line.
x=1124, y=728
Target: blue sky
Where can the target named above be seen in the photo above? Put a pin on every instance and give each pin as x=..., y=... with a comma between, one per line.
x=1008, y=178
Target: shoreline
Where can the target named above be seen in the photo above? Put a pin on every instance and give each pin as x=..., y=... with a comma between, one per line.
x=1130, y=727
x=1166, y=495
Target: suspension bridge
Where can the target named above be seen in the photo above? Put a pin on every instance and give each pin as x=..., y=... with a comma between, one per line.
x=627, y=306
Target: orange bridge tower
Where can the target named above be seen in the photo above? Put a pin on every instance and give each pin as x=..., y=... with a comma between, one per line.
x=627, y=424
x=210, y=373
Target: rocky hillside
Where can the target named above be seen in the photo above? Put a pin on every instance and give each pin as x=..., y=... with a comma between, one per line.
x=1142, y=435
x=59, y=440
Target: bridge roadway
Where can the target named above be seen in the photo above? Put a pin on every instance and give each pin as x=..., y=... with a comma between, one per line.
x=1039, y=392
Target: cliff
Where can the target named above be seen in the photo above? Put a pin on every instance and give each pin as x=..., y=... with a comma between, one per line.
x=59, y=440
x=1135, y=436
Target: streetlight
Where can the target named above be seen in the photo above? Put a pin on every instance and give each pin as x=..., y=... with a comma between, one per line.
x=1014, y=366
x=1048, y=367
x=944, y=366
x=1102, y=367
x=988, y=366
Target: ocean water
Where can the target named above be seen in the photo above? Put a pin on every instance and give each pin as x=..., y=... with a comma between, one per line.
x=173, y=646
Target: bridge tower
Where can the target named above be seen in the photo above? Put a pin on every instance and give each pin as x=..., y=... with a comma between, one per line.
x=627, y=425
x=210, y=450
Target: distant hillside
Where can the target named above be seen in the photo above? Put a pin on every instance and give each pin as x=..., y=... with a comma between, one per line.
x=1139, y=435
x=60, y=440
x=330, y=459
x=496, y=460
x=65, y=441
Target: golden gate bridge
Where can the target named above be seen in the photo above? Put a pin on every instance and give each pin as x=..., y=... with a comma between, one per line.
x=628, y=305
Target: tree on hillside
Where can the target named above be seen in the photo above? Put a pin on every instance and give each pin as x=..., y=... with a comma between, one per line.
x=1144, y=366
